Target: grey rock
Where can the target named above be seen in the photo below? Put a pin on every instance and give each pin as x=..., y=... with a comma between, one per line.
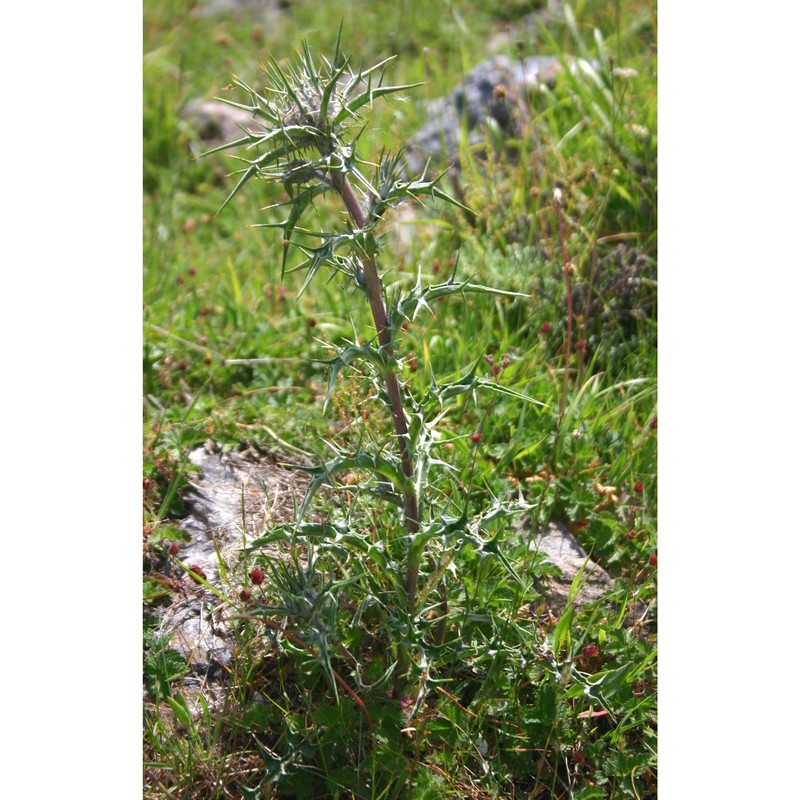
x=563, y=550
x=198, y=634
x=233, y=499
x=492, y=98
x=492, y=95
x=213, y=123
x=558, y=542
x=256, y=8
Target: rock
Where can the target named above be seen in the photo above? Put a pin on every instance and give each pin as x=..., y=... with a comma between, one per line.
x=563, y=550
x=256, y=8
x=213, y=123
x=492, y=95
x=235, y=496
x=231, y=501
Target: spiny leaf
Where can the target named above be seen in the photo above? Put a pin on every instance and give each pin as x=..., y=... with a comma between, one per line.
x=500, y=389
x=358, y=77
x=454, y=388
x=248, y=173
x=419, y=297
x=310, y=71
x=288, y=89
x=298, y=205
x=254, y=168
x=332, y=83
x=347, y=355
x=350, y=108
x=227, y=146
x=374, y=464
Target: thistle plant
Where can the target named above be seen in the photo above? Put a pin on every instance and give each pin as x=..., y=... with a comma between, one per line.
x=306, y=127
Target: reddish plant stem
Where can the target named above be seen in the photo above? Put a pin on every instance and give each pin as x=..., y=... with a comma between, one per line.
x=393, y=388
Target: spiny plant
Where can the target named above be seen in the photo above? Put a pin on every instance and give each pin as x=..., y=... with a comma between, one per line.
x=305, y=132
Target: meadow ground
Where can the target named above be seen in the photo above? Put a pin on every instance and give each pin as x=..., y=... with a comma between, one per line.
x=538, y=402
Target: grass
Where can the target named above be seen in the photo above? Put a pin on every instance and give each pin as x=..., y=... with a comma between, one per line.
x=513, y=701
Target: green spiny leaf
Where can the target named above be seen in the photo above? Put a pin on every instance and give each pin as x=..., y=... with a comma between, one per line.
x=374, y=464
x=248, y=173
x=347, y=355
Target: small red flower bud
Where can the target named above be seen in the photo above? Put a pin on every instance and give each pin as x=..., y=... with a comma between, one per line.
x=545, y=327
x=654, y=423
x=311, y=322
x=180, y=279
x=476, y=437
x=436, y=265
x=257, y=576
x=639, y=487
x=196, y=572
x=581, y=345
x=174, y=549
x=590, y=651
x=244, y=595
x=653, y=560
x=192, y=271
x=578, y=757
x=205, y=311
x=208, y=359
x=404, y=326
x=631, y=534
x=189, y=225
